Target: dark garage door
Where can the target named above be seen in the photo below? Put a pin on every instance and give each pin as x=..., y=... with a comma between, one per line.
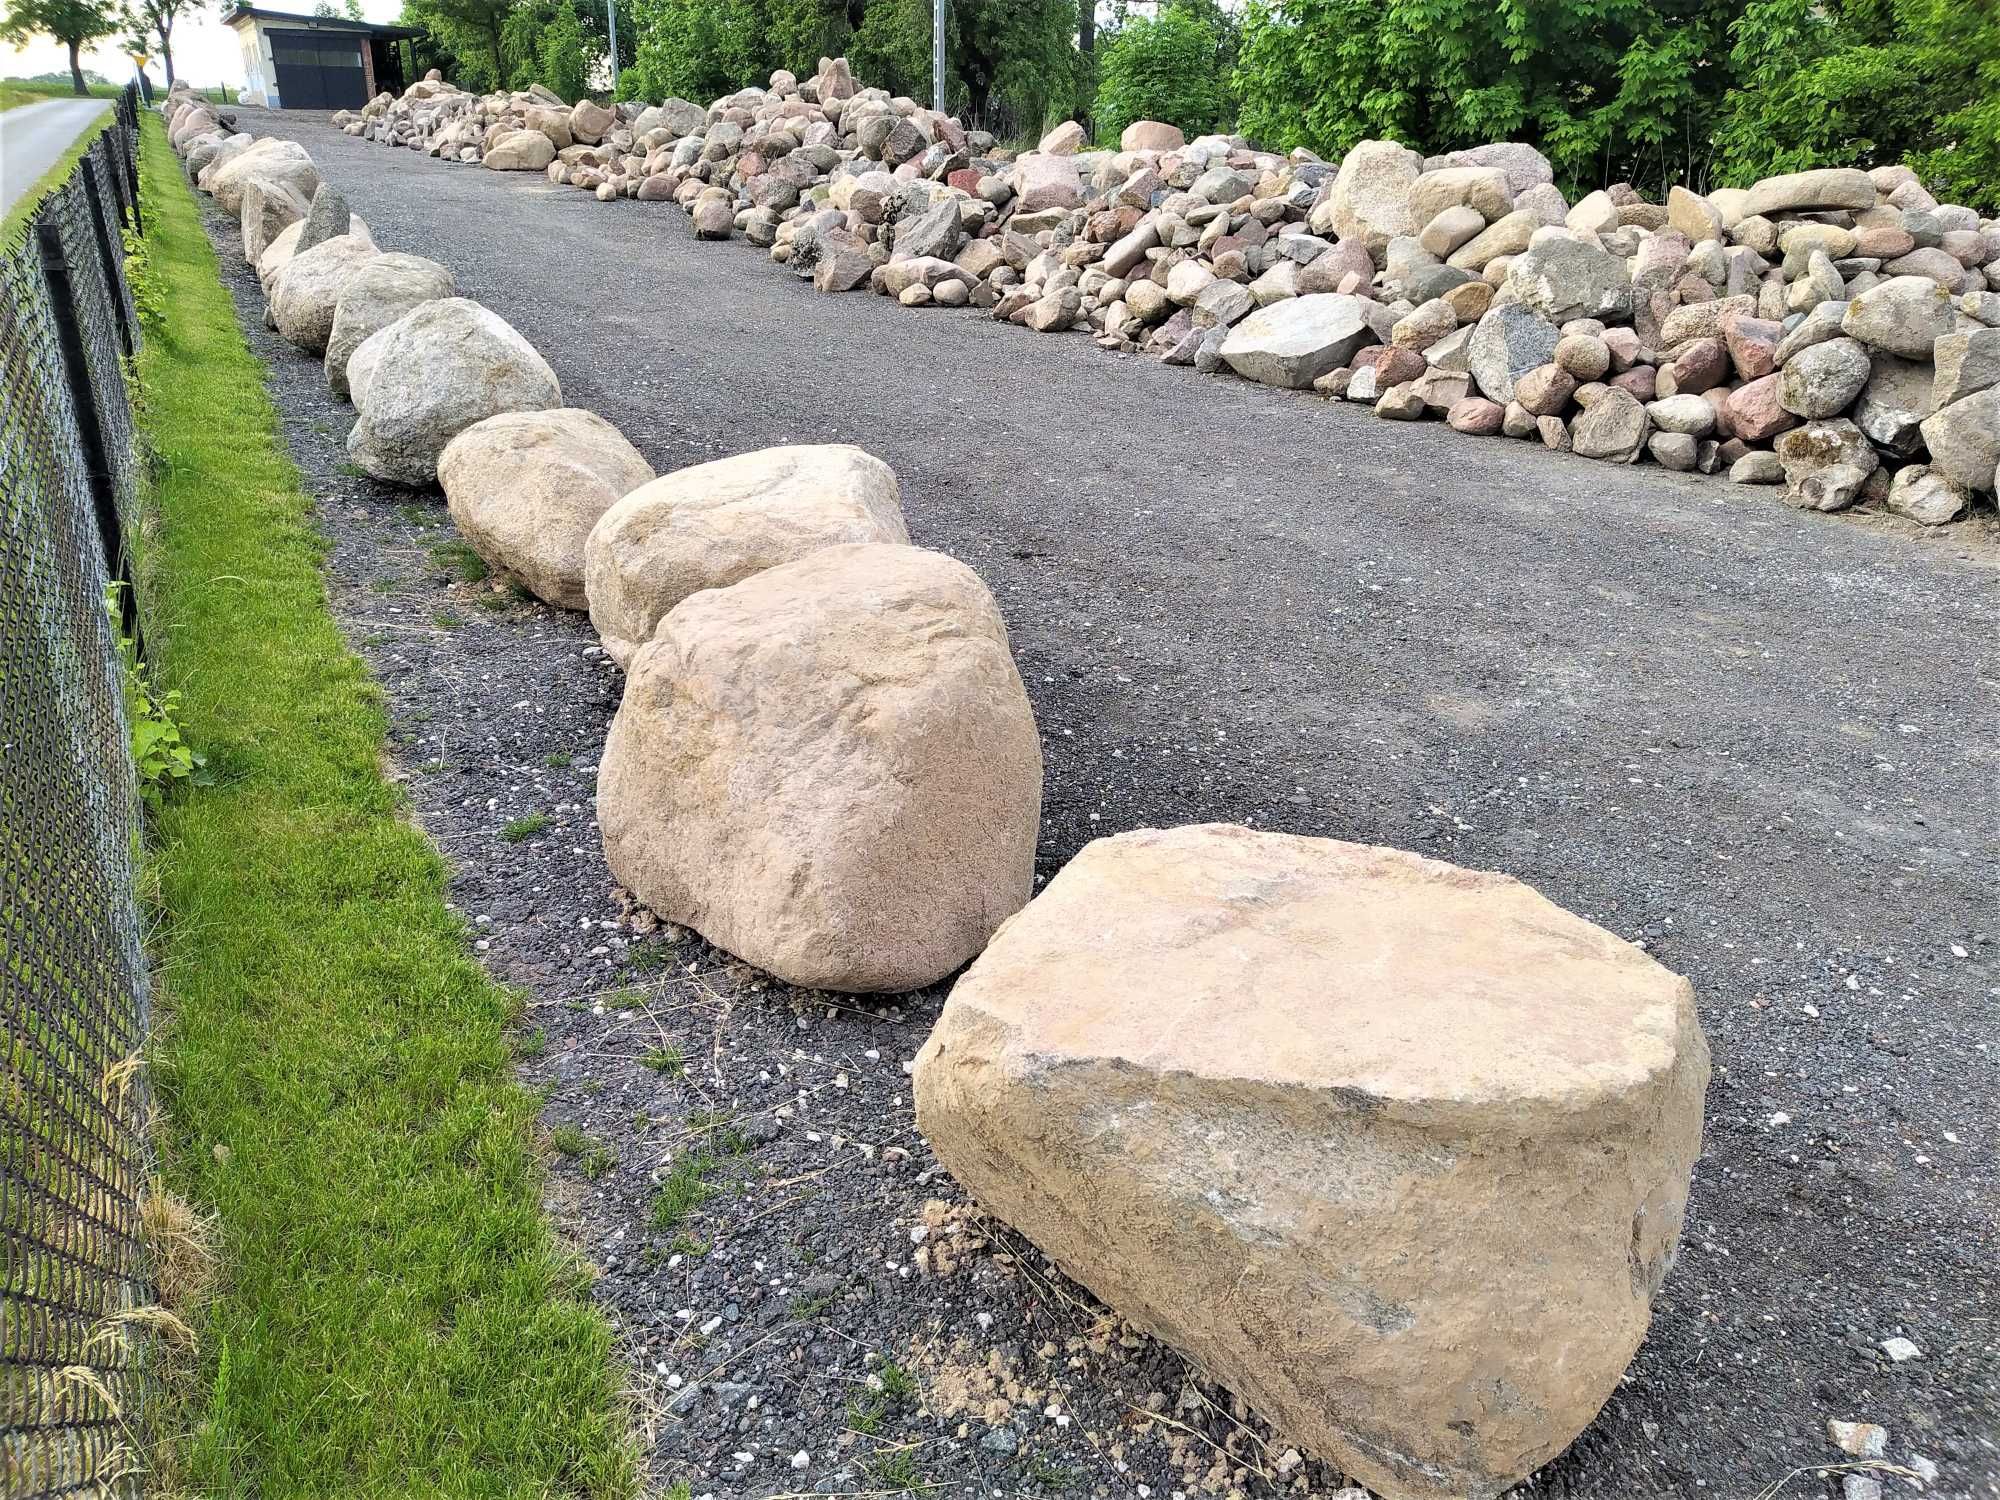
x=319, y=70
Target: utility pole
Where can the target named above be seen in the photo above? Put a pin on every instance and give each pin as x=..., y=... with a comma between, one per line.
x=611, y=18
x=937, y=55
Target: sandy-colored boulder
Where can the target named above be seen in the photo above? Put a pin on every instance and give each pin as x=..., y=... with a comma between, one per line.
x=379, y=292
x=525, y=487
x=1926, y=496
x=590, y=122
x=1065, y=139
x=1151, y=135
x=830, y=769
x=278, y=254
x=272, y=162
x=305, y=294
x=1396, y=1150
x=1370, y=198
x=231, y=148
x=520, y=151
x=715, y=524
x=441, y=367
x=1045, y=181
x=1482, y=189
x=194, y=120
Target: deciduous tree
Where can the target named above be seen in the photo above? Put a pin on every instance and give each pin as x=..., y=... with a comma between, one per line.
x=154, y=20
x=74, y=23
x=1166, y=67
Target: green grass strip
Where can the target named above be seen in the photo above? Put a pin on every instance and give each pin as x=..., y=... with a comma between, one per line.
x=395, y=1317
x=16, y=220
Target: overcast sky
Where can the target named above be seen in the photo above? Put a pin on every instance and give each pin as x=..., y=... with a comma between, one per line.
x=205, y=51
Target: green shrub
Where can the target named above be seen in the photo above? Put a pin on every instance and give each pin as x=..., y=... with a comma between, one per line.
x=1867, y=84
x=1607, y=89
x=1162, y=68
x=565, y=62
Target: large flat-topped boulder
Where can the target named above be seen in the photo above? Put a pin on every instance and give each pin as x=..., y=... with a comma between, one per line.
x=1294, y=342
x=829, y=769
x=436, y=370
x=1398, y=1151
x=714, y=524
x=273, y=163
x=1798, y=192
x=525, y=488
x=520, y=151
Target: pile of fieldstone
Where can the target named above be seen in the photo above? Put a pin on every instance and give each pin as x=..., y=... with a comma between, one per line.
x=1836, y=331
x=1436, y=1262
x=520, y=131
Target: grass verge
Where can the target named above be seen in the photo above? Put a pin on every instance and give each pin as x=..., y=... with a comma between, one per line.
x=393, y=1315
x=17, y=217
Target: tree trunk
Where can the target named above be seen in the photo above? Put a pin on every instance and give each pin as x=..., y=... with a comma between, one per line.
x=167, y=50
x=76, y=71
x=1086, y=27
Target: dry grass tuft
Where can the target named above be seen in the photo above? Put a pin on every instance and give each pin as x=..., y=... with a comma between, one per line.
x=184, y=1253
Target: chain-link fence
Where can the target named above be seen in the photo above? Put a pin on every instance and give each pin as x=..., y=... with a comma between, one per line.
x=74, y=1285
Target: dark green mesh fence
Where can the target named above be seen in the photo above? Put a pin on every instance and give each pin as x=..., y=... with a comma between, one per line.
x=73, y=1384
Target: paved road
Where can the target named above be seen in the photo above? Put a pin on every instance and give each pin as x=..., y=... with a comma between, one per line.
x=34, y=136
x=1759, y=741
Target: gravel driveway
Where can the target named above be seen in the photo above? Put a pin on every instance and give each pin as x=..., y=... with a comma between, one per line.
x=1760, y=742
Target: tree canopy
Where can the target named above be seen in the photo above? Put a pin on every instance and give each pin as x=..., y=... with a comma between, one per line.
x=1654, y=92
x=1173, y=66
x=74, y=23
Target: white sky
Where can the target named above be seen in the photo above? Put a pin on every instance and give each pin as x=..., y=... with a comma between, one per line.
x=205, y=51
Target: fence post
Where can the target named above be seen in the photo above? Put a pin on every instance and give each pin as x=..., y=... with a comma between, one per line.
x=114, y=280
x=128, y=161
x=83, y=401
x=113, y=175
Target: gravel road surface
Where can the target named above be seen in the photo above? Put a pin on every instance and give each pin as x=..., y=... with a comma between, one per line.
x=34, y=136
x=1758, y=741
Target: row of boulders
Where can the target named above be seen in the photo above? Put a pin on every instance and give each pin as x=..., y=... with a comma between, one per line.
x=1836, y=331
x=1398, y=1150
x=825, y=760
